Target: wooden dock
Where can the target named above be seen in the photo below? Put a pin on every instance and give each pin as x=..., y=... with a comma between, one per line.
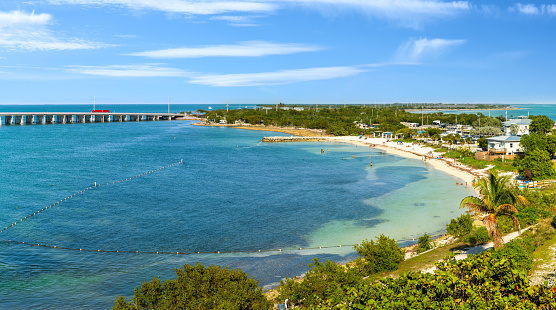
x=23, y=118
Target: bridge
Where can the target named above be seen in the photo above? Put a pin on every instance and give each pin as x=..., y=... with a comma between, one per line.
x=23, y=118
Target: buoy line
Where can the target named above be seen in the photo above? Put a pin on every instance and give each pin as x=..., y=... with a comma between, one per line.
x=199, y=252
x=82, y=192
x=154, y=252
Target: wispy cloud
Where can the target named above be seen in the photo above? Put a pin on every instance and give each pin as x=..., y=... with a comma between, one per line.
x=142, y=70
x=534, y=9
x=277, y=77
x=29, y=31
x=194, y=7
x=242, y=49
x=407, y=12
x=416, y=50
x=238, y=21
x=410, y=13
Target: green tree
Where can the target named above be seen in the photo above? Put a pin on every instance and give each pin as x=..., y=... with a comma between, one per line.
x=486, y=131
x=461, y=226
x=197, y=287
x=541, y=124
x=424, y=243
x=496, y=198
x=328, y=281
x=538, y=163
x=433, y=131
x=383, y=255
x=482, y=142
x=533, y=141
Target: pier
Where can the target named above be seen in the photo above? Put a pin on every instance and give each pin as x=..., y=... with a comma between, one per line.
x=23, y=118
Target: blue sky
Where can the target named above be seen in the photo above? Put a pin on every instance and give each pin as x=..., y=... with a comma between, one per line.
x=261, y=51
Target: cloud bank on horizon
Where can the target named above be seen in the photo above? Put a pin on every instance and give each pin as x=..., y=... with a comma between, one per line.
x=261, y=50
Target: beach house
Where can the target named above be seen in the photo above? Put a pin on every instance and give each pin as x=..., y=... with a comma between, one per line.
x=504, y=145
x=521, y=127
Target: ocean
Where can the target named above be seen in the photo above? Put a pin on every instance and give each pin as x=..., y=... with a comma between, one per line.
x=167, y=190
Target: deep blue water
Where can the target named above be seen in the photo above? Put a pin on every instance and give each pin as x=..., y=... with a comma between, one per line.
x=231, y=194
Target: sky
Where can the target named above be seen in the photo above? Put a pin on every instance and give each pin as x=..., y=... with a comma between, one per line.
x=267, y=51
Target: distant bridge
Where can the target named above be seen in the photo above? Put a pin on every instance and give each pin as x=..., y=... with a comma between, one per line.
x=23, y=118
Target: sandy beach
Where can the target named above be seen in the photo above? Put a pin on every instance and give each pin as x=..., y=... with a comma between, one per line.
x=420, y=152
x=408, y=150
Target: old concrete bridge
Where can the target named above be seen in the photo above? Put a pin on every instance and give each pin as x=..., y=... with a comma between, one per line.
x=22, y=118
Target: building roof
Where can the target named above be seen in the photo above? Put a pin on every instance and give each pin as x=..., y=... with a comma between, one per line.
x=505, y=139
x=519, y=121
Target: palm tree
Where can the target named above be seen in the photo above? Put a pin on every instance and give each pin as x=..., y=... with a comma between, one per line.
x=497, y=199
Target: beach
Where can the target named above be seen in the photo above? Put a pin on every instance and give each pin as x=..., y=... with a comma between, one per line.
x=407, y=150
x=419, y=152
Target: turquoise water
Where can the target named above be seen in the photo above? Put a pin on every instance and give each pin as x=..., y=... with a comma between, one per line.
x=524, y=110
x=231, y=194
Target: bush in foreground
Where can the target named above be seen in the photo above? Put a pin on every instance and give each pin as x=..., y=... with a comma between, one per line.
x=197, y=287
x=495, y=279
x=461, y=226
x=328, y=281
x=383, y=255
x=424, y=243
x=478, y=236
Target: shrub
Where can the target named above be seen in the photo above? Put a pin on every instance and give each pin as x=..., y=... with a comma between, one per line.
x=328, y=281
x=478, y=236
x=197, y=287
x=505, y=223
x=424, y=243
x=554, y=221
x=461, y=226
x=383, y=255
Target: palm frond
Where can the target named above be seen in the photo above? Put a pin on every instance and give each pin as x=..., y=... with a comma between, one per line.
x=506, y=209
x=473, y=203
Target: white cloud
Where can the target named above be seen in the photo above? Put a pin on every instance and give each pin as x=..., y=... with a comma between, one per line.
x=277, y=77
x=528, y=9
x=407, y=12
x=29, y=31
x=197, y=7
x=533, y=9
x=146, y=70
x=238, y=21
x=415, y=50
x=242, y=49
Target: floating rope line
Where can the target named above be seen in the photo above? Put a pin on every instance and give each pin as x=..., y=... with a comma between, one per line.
x=196, y=253
x=82, y=192
x=155, y=252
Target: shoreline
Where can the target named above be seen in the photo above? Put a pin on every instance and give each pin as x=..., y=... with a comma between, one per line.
x=407, y=150
x=419, y=152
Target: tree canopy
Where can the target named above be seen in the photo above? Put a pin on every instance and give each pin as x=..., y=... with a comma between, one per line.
x=541, y=124
x=200, y=288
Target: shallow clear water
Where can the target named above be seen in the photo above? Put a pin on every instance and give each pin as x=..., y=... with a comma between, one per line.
x=231, y=194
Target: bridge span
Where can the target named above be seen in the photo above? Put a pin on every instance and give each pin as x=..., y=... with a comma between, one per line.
x=23, y=118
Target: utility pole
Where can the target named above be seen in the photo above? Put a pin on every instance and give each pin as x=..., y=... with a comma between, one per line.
x=226, y=105
x=94, y=102
x=168, y=105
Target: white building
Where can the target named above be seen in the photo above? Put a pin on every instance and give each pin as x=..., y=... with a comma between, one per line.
x=506, y=145
x=522, y=123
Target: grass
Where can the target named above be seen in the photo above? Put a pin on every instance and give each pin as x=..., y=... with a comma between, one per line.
x=423, y=261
